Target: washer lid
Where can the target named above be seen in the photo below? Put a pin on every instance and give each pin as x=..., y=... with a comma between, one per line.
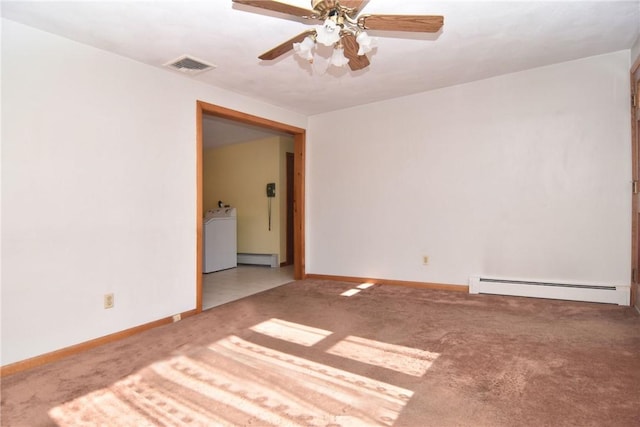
x=208, y=215
x=223, y=213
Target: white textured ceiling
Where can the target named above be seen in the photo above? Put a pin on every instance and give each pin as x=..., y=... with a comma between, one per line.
x=479, y=39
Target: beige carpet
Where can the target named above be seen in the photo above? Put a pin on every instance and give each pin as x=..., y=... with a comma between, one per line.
x=305, y=355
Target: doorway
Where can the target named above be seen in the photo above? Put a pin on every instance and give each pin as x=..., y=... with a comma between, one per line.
x=298, y=134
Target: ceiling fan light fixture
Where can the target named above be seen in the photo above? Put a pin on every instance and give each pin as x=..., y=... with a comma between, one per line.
x=328, y=33
x=337, y=58
x=343, y=29
x=304, y=49
x=365, y=43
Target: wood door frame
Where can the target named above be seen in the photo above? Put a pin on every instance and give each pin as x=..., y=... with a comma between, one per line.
x=299, y=152
x=635, y=198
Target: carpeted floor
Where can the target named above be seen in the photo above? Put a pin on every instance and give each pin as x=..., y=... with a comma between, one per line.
x=304, y=355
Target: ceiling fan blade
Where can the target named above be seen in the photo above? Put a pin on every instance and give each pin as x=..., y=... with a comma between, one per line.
x=351, y=51
x=276, y=6
x=353, y=4
x=412, y=23
x=285, y=47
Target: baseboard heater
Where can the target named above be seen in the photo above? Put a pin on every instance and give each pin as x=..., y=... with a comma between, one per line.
x=609, y=294
x=259, y=259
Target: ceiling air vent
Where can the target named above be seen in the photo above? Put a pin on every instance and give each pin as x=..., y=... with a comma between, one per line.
x=189, y=65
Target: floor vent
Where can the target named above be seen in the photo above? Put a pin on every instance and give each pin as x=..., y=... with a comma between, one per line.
x=609, y=294
x=189, y=65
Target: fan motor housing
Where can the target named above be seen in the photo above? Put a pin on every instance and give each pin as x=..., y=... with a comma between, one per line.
x=323, y=6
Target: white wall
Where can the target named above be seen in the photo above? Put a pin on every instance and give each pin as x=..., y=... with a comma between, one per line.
x=635, y=51
x=98, y=190
x=526, y=175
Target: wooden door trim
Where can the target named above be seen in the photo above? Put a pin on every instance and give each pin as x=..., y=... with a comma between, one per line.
x=299, y=138
x=635, y=165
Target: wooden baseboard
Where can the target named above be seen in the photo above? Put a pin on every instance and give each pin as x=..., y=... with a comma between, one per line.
x=56, y=355
x=422, y=285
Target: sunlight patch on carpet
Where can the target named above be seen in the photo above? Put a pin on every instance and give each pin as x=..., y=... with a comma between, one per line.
x=135, y=401
x=357, y=289
x=292, y=332
x=236, y=382
x=328, y=390
x=407, y=360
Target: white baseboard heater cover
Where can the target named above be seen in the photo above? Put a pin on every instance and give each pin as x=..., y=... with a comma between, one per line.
x=609, y=294
x=259, y=259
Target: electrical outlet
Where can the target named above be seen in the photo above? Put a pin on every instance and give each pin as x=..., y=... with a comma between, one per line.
x=177, y=317
x=425, y=260
x=108, y=300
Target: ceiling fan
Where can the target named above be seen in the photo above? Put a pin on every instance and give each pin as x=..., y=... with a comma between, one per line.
x=342, y=28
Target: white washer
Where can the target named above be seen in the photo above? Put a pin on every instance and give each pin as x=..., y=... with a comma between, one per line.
x=220, y=240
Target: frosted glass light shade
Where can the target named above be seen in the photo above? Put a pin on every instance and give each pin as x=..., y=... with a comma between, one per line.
x=365, y=43
x=304, y=49
x=328, y=33
x=337, y=58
